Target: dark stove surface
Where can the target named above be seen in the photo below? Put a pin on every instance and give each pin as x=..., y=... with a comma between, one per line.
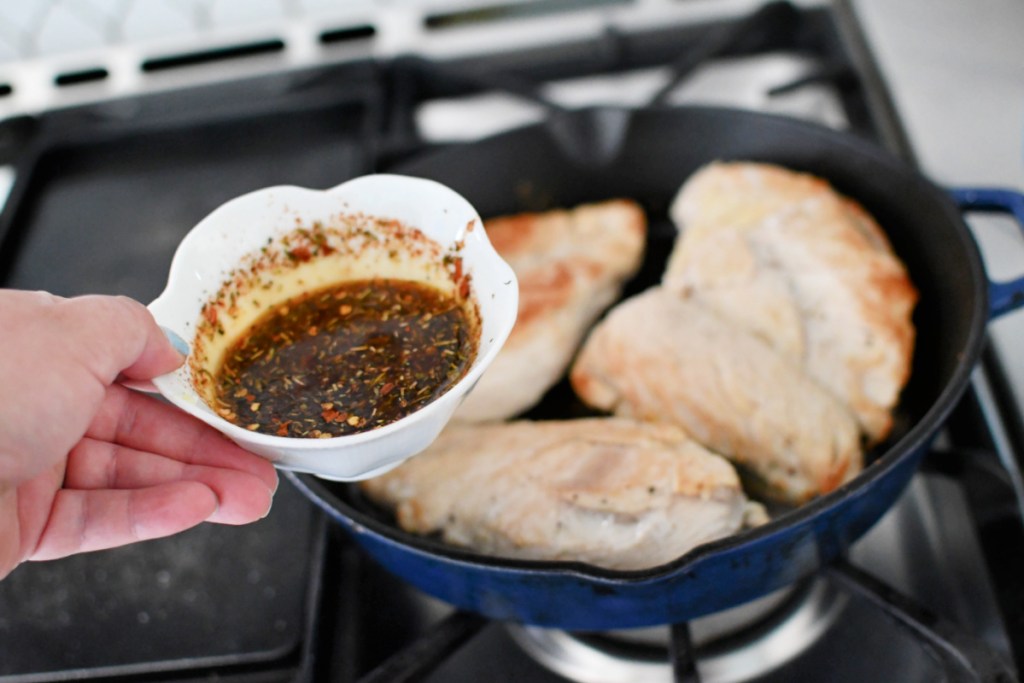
x=212, y=597
x=104, y=193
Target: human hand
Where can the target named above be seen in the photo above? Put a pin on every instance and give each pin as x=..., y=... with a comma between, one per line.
x=86, y=464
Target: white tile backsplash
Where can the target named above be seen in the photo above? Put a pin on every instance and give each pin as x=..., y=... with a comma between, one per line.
x=65, y=30
x=34, y=29
x=156, y=20
x=231, y=13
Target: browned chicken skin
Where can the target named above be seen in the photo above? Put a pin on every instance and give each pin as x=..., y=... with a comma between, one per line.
x=663, y=358
x=783, y=255
x=611, y=492
x=571, y=266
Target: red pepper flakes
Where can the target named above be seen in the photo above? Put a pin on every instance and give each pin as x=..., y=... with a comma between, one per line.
x=346, y=233
x=301, y=253
x=346, y=359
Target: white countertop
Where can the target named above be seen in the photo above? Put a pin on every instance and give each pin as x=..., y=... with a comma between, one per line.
x=956, y=72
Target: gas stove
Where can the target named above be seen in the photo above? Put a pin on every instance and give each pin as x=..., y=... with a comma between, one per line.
x=107, y=180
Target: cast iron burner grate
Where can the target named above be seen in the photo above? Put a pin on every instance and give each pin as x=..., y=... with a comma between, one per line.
x=945, y=650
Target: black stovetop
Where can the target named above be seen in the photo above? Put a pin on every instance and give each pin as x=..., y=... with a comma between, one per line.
x=104, y=192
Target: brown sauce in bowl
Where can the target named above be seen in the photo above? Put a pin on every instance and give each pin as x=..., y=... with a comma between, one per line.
x=346, y=359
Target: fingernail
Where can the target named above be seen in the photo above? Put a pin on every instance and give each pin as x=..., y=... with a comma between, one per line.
x=180, y=345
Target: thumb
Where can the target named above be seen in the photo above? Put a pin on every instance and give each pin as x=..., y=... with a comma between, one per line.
x=128, y=340
x=161, y=354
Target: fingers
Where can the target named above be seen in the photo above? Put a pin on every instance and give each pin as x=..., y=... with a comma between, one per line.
x=146, y=424
x=83, y=521
x=56, y=358
x=116, y=335
x=92, y=465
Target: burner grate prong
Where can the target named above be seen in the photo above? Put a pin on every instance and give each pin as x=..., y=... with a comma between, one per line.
x=419, y=659
x=965, y=658
x=681, y=655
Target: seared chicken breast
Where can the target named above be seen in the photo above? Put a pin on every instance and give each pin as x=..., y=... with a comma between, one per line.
x=782, y=255
x=661, y=357
x=610, y=492
x=571, y=265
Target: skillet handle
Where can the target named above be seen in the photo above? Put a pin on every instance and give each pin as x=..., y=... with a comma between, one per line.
x=1003, y=297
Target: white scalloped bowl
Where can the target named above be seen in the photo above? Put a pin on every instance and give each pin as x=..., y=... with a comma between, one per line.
x=211, y=254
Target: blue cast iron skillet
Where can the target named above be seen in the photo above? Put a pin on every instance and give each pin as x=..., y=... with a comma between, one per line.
x=646, y=155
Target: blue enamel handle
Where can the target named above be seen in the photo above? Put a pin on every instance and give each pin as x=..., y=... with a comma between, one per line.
x=1003, y=297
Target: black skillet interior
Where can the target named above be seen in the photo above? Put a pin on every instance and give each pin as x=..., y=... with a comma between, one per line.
x=525, y=170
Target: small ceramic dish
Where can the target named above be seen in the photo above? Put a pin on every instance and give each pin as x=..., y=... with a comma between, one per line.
x=262, y=248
